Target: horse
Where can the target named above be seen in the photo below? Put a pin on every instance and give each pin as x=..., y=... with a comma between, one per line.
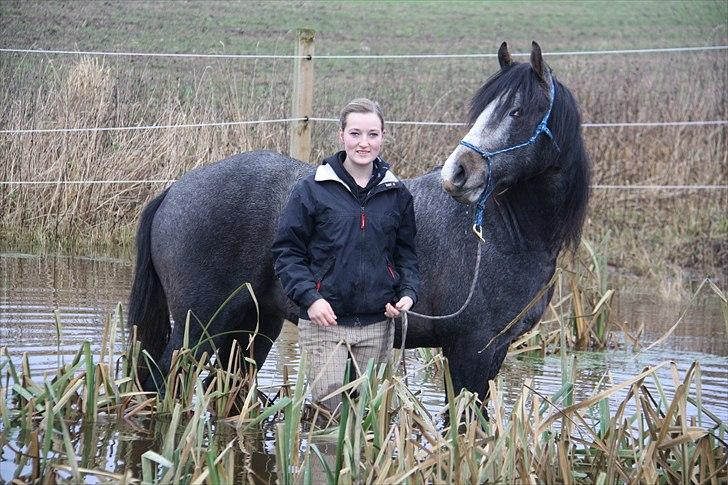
x=521, y=171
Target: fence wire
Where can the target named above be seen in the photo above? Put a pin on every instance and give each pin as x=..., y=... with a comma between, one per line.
x=148, y=127
x=656, y=50
x=646, y=124
x=41, y=183
x=351, y=57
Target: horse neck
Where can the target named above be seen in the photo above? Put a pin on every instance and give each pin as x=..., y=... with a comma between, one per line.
x=530, y=211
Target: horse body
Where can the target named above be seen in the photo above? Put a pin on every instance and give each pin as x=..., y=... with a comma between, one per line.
x=212, y=231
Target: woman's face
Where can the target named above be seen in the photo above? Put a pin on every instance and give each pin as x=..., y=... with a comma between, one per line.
x=362, y=138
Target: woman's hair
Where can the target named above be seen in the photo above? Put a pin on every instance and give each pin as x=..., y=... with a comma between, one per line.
x=360, y=105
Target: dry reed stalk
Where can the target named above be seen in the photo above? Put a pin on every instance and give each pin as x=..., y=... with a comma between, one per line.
x=675, y=229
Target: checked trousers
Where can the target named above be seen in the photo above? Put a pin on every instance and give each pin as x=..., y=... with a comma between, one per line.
x=327, y=348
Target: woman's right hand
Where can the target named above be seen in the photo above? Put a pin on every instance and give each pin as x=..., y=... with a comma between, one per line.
x=321, y=313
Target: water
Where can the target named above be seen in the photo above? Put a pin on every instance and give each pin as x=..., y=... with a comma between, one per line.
x=84, y=292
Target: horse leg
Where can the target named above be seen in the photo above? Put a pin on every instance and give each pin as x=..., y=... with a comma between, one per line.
x=471, y=367
x=242, y=318
x=269, y=324
x=206, y=335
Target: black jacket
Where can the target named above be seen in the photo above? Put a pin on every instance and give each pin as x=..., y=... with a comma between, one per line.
x=358, y=255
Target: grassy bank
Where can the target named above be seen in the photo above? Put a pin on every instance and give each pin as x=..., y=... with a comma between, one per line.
x=648, y=234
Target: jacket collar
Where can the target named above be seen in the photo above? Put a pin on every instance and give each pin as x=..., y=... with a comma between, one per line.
x=326, y=173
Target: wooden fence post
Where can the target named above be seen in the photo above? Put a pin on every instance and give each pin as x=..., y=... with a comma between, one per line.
x=299, y=145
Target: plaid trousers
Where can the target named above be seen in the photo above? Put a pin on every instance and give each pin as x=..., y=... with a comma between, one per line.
x=327, y=348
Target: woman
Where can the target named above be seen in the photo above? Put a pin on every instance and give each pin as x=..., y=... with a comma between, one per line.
x=345, y=253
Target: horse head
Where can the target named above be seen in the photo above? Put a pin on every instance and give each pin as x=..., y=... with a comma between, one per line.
x=504, y=113
x=523, y=124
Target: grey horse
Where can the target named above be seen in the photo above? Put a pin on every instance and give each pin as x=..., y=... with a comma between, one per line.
x=212, y=230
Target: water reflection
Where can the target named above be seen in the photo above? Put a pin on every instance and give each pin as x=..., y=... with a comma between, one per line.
x=83, y=292
x=703, y=330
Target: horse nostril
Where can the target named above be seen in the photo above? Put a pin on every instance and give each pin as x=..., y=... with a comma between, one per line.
x=459, y=178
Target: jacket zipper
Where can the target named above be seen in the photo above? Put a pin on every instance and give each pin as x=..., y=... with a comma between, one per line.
x=362, y=226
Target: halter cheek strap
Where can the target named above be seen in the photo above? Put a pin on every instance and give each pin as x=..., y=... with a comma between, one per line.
x=542, y=127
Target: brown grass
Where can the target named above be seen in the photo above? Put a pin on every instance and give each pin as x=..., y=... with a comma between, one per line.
x=648, y=233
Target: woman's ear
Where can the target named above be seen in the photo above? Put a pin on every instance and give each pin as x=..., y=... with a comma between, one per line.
x=341, y=136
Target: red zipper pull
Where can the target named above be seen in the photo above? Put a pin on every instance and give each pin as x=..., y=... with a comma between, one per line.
x=363, y=220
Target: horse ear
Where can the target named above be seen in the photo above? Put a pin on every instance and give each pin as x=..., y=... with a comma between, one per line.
x=504, y=57
x=538, y=64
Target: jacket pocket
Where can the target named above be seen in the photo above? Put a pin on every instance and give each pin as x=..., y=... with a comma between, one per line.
x=393, y=275
x=391, y=281
x=322, y=273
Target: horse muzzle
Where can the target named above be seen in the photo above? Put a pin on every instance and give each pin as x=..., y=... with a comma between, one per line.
x=459, y=181
x=463, y=195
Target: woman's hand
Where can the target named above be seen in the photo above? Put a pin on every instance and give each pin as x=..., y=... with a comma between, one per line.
x=321, y=313
x=403, y=305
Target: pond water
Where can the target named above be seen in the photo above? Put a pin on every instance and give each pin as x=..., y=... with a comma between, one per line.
x=83, y=292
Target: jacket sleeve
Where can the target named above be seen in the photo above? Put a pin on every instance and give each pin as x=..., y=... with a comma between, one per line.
x=405, y=255
x=290, y=254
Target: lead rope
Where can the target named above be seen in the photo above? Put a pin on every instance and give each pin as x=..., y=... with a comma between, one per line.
x=438, y=317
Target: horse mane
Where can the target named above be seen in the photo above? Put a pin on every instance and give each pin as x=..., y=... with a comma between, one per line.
x=572, y=161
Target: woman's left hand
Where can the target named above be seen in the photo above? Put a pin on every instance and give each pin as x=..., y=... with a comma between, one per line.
x=403, y=305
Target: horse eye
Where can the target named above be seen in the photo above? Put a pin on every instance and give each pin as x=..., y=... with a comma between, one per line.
x=515, y=113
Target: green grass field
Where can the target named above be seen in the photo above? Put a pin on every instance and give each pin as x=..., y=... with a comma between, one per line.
x=679, y=234
x=383, y=27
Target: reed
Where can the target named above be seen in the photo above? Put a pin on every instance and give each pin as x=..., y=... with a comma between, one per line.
x=541, y=439
x=82, y=392
x=629, y=432
x=579, y=315
x=385, y=435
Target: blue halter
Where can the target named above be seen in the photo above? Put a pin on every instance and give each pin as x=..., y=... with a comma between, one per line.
x=541, y=128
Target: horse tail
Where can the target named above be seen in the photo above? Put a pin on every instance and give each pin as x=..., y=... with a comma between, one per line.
x=148, y=308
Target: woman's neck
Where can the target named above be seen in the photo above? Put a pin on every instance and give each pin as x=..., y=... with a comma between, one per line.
x=360, y=173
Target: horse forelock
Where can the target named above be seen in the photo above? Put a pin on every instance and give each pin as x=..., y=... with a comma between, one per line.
x=518, y=80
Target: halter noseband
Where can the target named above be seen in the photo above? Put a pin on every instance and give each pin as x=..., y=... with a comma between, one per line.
x=540, y=128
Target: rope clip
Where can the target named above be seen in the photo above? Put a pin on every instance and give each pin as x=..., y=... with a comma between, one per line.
x=478, y=230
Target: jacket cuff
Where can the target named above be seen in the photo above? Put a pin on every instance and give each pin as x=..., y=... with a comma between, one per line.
x=309, y=297
x=410, y=293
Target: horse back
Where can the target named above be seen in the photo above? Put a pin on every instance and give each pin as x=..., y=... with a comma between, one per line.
x=217, y=222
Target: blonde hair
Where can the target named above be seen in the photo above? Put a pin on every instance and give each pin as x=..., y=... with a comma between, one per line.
x=360, y=105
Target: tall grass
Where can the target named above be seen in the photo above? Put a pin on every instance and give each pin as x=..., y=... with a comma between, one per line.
x=39, y=415
x=51, y=426
x=653, y=233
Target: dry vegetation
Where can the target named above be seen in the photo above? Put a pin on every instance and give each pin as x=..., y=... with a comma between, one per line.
x=57, y=429
x=681, y=234
x=649, y=233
